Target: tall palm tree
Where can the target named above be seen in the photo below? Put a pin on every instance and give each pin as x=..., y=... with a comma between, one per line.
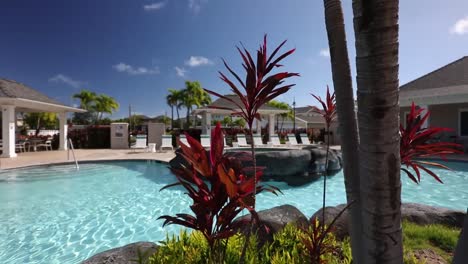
x=346, y=117
x=104, y=104
x=172, y=100
x=376, y=34
x=87, y=98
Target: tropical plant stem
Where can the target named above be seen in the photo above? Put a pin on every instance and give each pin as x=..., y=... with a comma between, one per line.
x=254, y=161
x=325, y=174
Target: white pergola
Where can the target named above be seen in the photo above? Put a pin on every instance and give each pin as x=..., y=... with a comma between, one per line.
x=16, y=97
x=207, y=112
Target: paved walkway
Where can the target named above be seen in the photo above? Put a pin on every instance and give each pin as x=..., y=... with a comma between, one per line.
x=56, y=156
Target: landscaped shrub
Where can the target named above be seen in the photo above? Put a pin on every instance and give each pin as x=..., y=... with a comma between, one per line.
x=90, y=137
x=286, y=247
x=216, y=204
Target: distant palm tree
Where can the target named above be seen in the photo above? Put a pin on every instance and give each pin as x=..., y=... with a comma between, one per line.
x=194, y=95
x=104, y=104
x=283, y=106
x=87, y=99
x=174, y=99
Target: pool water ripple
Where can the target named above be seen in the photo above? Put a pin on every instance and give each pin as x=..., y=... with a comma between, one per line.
x=59, y=215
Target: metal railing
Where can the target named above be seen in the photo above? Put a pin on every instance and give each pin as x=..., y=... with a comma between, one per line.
x=70, y=148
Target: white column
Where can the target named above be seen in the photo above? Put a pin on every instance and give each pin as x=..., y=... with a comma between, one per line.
x=63, y=131
x=8, y=131
x=271, y=123
x=206, y=123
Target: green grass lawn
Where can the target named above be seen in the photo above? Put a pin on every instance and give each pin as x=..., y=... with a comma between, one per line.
x=439, y=238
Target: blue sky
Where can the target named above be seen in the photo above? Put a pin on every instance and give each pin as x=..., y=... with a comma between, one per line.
x=134, y=50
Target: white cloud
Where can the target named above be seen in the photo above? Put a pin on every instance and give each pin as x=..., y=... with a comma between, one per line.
x=460, y=27
x=122, y=67
x=195, y=61
x=195, y=5
x=61, y=78
x=180, y=71
x=325, y=53
x=154, y=6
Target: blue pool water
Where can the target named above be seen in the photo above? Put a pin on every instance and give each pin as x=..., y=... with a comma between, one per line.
x=59, y=215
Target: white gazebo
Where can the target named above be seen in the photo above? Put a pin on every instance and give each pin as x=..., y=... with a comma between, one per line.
x=17, y=97
x=208, y=111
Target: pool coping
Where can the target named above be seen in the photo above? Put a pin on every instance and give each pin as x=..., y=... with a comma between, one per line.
x=32, y=166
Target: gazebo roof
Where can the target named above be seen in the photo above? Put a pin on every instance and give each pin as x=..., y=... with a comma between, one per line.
x=29, y=100
x=221, y=102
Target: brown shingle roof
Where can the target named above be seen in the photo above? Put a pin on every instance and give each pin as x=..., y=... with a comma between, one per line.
x=13, y=89
x=452, y=74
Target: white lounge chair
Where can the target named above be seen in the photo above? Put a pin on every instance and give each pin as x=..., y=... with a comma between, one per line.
x=183, y=140
x=47, y=145
x=166, y=142
x=257, y=139
x=205, y=141
x=275, y=141
x=305, y=139
x=21, y=145
x=292, y=140
x=242, y=141
x=140, y=143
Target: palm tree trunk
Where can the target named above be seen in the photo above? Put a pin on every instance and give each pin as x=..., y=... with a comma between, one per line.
x=346, y=117
x=376, y=34
x=178, y=117
x=172, y=117
x=187, y=119
x=38, y=127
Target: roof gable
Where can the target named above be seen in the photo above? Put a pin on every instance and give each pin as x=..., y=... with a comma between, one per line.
x=452, y=74
x=13, y=89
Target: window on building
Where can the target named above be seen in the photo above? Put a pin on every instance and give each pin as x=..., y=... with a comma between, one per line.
x=464, y=122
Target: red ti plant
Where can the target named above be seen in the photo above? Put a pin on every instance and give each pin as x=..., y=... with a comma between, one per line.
x=328, y=112
x=259, y=87
x=217, y=204
x=418, y=142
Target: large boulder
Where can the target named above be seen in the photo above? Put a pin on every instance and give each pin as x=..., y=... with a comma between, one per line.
x=290, y=166
x=296, y=167
x=416, y=213
x=275, y=219
x=123, y=255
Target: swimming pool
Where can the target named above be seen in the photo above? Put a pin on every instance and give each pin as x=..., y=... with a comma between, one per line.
x=56, y=214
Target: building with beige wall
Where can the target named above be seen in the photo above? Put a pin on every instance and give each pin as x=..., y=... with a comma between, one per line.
x=444, y=92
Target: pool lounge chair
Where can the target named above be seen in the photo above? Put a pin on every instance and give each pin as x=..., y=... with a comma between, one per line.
x=257, y=139
x=48, y=144
x=183, y=140
x=292, y=140
x=166, y=142
x=140, y=143
x=205, y=141
x=242, y=141
x=305, y=139
x=275, y=141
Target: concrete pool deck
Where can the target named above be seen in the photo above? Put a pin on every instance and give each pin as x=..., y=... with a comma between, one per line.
x=26, y=159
